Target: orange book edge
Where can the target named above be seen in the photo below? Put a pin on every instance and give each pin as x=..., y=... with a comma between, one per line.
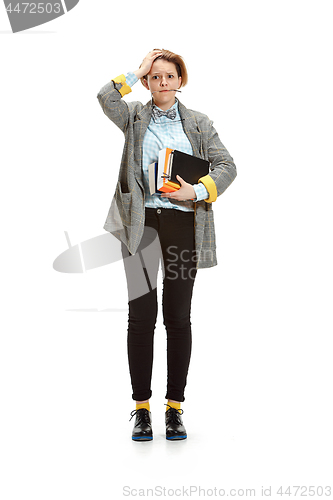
x=168, y=186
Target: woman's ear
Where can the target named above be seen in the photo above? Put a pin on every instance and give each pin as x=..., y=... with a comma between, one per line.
x=179, y=82
x=145, y=83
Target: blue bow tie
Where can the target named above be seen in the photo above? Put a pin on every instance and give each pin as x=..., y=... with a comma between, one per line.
x=171, y=113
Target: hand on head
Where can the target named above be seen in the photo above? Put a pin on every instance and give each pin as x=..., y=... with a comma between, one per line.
x=147, y=63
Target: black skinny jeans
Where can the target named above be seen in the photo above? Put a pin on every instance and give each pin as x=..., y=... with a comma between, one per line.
x=170, y=232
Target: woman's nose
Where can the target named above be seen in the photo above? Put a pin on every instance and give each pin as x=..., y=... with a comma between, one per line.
x=163, y=81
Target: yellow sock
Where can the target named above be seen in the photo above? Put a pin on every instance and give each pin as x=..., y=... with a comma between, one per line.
x=173, y=405
x=143, y=405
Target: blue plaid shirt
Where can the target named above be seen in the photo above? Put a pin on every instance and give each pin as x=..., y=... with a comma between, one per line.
x=162, y=132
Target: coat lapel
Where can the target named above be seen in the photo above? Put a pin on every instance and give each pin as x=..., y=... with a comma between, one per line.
x=140, y=126
x=191, y=129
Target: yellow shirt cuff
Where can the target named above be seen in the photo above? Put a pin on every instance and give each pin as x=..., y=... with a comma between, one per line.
x=211, y=188
x=125, y=89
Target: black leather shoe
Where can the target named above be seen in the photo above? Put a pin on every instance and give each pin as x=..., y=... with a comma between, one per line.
x=174, y=424
x=142, y=430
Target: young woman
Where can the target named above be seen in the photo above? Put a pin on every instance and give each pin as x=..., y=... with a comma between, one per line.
x=181, y=222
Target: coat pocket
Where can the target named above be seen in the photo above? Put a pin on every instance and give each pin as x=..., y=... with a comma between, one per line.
x=124, y=204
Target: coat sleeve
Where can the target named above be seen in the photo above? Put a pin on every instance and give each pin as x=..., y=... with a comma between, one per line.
x=223, y=170
x=110, y=99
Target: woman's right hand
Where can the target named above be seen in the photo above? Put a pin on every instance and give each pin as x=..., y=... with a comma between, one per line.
x=147, y=63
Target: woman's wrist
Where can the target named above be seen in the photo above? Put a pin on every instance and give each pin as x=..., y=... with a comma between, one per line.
x=139, y=73
x=131, y=79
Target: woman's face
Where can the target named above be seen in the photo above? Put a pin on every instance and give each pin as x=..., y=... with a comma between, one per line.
x=162, y=78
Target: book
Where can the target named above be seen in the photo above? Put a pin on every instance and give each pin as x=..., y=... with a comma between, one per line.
x=171, y=162
x=152, y=175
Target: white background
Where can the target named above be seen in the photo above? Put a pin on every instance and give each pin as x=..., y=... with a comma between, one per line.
x=258, y=407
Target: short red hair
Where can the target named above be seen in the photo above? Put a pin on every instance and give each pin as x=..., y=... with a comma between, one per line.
x=177, y=60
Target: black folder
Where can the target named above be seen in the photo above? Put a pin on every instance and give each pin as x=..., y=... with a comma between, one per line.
x=188, y=167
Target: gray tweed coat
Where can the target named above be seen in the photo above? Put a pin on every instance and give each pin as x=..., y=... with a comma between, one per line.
x=127, y=212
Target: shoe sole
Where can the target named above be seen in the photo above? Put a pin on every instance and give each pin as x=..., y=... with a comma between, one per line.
x=146, y=438
x=176, y=438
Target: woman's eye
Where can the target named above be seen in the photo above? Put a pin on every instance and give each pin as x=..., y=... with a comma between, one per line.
x=170, y=76
x=155, y=77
